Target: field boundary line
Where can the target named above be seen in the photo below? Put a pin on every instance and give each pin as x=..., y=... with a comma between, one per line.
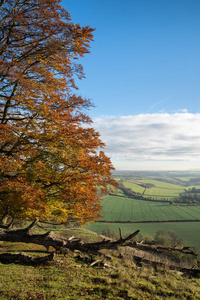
x=154, y=221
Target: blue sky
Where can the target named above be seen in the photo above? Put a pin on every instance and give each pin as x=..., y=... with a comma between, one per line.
x=144, y=67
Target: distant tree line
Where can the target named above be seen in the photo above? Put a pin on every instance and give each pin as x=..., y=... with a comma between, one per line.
x=188, y=198
x=193, y=190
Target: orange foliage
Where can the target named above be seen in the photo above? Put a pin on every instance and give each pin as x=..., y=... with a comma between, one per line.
x=50, y=159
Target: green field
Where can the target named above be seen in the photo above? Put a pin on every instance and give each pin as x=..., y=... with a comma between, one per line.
x=193, y=186
x=162, y=189
x=184, y=178
x=159, y=191
x=123, y=212
x=126, y=209
x=135, y=187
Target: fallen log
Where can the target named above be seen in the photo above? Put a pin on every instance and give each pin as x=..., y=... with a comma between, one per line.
x=23, y=258
x=160, y=248
x=24, y=236
x=49, y=239
x=60, y=244
x=194, y=272
x=107, y=244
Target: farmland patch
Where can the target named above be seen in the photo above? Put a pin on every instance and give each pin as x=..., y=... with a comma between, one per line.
x=135, y=187
x=126, y=209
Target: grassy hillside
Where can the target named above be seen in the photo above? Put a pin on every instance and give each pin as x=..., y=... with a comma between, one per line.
x=189, y=231
x=70, y=277
x=135, y=187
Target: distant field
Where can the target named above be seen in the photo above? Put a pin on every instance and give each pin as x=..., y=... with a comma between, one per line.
x=160, y=191
x=135, y=187
x=117, y=192
x=184, y=178
x=125, y=209
x=163, y=192
x=123, y=212
x=191, y=186
x=163, y=185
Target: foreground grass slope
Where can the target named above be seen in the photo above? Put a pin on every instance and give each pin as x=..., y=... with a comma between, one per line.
x=68, y=277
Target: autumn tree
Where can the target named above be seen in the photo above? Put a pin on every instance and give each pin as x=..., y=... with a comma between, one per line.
x=51, y=158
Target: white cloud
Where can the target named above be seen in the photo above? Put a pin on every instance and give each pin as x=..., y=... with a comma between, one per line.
x=160, y=137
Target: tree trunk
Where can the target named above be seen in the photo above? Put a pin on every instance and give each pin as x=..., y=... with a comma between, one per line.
x=4, y=220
